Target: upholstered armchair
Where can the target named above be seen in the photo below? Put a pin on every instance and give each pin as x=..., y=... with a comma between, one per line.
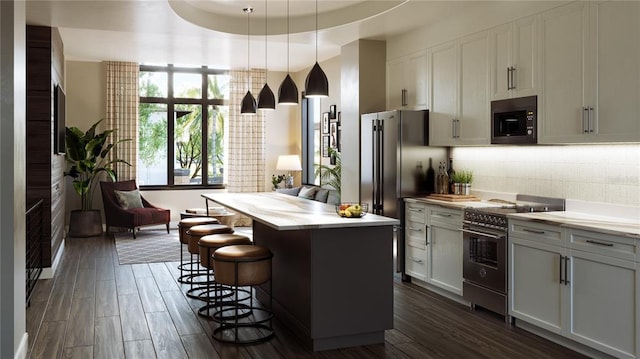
x=124, y=207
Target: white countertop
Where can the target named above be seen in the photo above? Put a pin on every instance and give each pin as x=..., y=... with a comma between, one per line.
x=455, y=205
x=613, y=225
x=285, y=212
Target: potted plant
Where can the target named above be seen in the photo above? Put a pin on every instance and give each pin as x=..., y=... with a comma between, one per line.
x=462, y=182
x=331, y=175
x=86, y=154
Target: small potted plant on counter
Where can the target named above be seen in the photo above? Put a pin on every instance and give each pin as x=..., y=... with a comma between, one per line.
x=462, y=182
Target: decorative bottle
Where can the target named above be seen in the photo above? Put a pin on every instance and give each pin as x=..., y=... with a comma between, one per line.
x=429, y=178
x=450, y=173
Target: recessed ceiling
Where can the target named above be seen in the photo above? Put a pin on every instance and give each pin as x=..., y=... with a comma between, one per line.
x=213, y=32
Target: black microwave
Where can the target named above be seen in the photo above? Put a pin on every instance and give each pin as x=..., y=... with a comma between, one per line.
x=513, y=121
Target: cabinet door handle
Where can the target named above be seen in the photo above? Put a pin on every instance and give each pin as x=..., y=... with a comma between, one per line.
x=590, y=119
x=566, y=274
x=415, y=229
x=404, y=97
x=513, y=78
x=453, y=128
x=444, y=215
x=419, y=210
x=585, y=119
x=560, y=266
x=509, y=78
x=416, y=260
x=532, y=231
x=599, y=243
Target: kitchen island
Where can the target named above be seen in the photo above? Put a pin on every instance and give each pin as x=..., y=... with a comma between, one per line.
x=332, y=276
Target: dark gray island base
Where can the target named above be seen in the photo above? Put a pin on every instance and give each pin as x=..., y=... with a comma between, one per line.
x=332, y=287
x=332, y=277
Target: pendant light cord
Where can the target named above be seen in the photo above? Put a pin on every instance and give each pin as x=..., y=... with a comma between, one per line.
x=265, y=37
x=248, y=51
x=316, y=30
x=287, y=36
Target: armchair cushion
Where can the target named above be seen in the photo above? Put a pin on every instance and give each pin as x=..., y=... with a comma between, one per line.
x=129, y=199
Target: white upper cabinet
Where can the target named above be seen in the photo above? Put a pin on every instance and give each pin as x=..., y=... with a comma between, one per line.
x=407, y=82
x=590, y=73
x=514, y=59
x=459, y=90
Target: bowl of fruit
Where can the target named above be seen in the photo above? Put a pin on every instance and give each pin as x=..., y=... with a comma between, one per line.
x=351, y=209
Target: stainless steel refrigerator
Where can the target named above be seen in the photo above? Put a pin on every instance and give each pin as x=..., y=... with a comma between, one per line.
x=394, y=155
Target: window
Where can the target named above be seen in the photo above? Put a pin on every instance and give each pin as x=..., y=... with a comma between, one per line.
x=181, y=126
x=310, y=140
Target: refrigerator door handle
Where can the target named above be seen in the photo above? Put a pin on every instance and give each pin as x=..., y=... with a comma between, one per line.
x=379, y=166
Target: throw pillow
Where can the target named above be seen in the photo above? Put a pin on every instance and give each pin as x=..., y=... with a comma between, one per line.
x=307, y=192
x=334, y=197
x=322, y=194
x=290, y=191
x=129, y=199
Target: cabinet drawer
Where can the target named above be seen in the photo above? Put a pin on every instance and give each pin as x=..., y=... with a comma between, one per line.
x=415, y=212
x=416, y=263
x=451, y=217
x=604, y=244
x=535, y=231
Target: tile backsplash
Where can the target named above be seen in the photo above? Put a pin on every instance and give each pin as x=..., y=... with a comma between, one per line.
x=597, y=173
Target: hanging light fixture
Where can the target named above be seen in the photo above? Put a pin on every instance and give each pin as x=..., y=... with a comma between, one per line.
x=288, y=91
x=316, y=84
x=248, y=105
x=266, y=100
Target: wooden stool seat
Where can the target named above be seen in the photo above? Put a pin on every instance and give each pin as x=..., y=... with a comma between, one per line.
x=196, y=232
x=209, y=243
x=187, y=223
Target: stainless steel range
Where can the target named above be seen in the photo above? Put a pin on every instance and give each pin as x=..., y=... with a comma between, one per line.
x=485, y=250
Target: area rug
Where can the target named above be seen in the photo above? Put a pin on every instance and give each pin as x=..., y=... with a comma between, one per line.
x=149, y=246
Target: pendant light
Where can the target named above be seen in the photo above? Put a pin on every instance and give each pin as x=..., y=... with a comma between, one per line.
x=266, y=99
x=288, y=91
x=248, y=105
x=316, y=84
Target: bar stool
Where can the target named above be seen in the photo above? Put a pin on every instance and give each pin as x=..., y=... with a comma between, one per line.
x=183, y=226
x=236, y=266
x=193, y=235
x=209, y=244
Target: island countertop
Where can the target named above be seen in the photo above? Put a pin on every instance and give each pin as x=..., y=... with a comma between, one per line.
x=286, y=212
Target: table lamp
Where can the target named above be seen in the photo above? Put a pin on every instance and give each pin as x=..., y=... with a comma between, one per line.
x=289, y=163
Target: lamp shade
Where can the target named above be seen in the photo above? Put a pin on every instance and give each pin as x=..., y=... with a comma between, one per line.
x=266, y=99
x=248, y=104
x=289, y=163
x=316, y=84
x=288, y=92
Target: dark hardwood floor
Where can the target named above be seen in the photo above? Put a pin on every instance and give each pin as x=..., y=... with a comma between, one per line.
x=96, y=308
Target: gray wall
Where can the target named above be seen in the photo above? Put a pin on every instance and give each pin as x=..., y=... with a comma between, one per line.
x=12, y=183
x=363, y=91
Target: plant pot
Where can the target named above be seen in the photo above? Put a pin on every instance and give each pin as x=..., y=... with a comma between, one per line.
x=462, y=188
x=85, y=223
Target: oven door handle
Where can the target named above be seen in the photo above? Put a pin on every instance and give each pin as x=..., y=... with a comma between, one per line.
x=481, y=234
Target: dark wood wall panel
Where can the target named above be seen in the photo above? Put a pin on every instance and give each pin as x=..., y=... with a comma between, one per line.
x=45, y=70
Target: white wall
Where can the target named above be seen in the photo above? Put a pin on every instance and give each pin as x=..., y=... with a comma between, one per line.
x=596, y=173
x=86, y=91
x=13, y=336
x=85, y=86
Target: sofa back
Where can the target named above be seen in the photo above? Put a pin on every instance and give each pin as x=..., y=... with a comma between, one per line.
x=313, y=192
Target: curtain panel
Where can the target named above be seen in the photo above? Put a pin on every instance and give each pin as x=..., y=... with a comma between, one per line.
x=246, y=143
x=122, y=114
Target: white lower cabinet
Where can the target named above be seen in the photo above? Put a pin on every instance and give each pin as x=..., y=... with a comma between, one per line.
x=445, y=251
x=433, y=247
x=585, y=288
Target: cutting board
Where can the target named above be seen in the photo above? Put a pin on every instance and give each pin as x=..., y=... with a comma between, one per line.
x=453, y=197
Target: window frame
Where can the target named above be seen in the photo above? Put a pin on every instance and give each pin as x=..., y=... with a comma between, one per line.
x=170, y=101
